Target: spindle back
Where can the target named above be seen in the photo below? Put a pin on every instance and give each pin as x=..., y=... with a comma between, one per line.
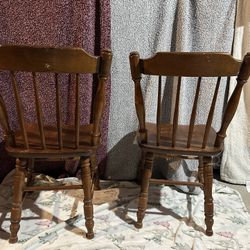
x=189, y=64
x=74, y=61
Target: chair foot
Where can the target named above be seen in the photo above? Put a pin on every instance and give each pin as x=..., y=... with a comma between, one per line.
x=143, y=197
x=13, y=240
x=90, y=236
x=209, y=232
x=138, y=225
x=208, y=204
x=88, y=194
x=16, y=209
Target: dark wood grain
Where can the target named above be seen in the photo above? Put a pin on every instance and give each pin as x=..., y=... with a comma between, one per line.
x=47, y=59
x=30, y=142
x=134, y=59
x=58, y=113
x=199, y=64
x=197, y=141
x=4, y=123
x=211, y=113
x=176, y=112
x=158, y=113
x=19, y=110
x=99, y=101
x=193, y=114
x=39, y=111
x=77, y=112
x=234, y=99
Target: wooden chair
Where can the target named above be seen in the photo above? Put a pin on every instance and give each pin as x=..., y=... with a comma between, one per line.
x=33, y=141
x=197, y=141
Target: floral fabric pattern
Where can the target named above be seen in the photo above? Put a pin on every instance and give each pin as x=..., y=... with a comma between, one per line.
x=173, y=220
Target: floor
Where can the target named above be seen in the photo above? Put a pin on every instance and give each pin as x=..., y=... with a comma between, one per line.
x=173, y=220
x=245, y=195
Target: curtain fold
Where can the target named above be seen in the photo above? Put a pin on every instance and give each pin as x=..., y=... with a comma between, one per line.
x=78, y=23
x=147, y=27
x=235, y=166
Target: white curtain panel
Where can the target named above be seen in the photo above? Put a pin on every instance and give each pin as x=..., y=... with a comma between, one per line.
x=235, y=166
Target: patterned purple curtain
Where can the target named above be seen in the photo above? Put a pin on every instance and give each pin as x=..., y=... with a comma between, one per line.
x=79, y=23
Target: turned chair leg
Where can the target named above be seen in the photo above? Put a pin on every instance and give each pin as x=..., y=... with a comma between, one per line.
x=30, y=171
x=200, y=170
x=88, y=194
x=140, y=168
x=16, y=210
x=208, y=205
x=95, y=172
x=143, y=197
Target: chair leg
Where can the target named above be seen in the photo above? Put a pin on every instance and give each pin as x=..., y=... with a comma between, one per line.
x=87, y=188
x=208, y=205
x=16, y=211
x=30, y=171
x=200, y=170
x=140, y=168
x=95, y=172
x=143, y=197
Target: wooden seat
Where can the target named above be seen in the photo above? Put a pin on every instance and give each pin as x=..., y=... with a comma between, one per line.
x=29, y=142
x=181, y=140
x=195, y=141
x=51, y=138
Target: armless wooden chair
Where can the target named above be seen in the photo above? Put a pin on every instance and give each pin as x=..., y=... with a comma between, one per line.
x=33, y=141
x=196, y=141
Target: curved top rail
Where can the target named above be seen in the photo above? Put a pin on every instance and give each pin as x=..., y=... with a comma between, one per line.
x=47, y=59
x=207, y=64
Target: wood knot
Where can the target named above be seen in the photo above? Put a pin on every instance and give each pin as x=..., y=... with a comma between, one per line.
x=47, y=66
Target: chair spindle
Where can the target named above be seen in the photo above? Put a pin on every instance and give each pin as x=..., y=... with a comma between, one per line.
x=158, y=117
x=193, y=114
x=38, y=111
x=58, y=113
x=211, y=113
x=77, y=112
x=176, y=112
x=19, y=110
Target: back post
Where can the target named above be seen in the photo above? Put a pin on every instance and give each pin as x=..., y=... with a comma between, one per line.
x=99, y=102
x=134, y=59
x=4, y=123
x=233, y=102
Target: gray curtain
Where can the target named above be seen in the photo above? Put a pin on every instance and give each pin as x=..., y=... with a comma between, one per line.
x=235, y=166
x=148, y=26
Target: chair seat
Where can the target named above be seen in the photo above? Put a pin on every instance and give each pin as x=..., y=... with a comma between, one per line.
x=30, y=142
x=52, y=145
x=181, y=140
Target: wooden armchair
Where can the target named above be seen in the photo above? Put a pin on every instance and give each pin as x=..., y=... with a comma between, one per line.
x=196, y=141
x=33, y=141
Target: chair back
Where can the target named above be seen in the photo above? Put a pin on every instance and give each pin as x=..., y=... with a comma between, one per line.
x=37, y=60
x=189, y=64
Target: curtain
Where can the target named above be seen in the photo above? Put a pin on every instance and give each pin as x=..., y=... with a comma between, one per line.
x=77, y=23
x=150, y=26
x=235, y=167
